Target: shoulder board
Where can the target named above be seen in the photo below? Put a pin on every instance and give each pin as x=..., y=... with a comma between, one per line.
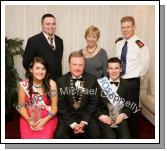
x=139, y=43
x=118, y=39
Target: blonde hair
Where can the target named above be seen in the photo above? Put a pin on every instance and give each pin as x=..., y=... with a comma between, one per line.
x=78, y=54
x=92, y=29
x=129, y=19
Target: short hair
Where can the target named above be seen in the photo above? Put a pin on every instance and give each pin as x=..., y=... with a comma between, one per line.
x=78, y=54
x=114, y=60
x=46, y=15
x=92, y=29
x=129, y=19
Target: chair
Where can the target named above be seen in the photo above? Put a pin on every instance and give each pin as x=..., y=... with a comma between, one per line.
x=148, y=102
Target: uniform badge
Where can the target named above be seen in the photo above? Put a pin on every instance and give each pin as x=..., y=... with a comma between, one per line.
x=139, y=43
x=118, y=39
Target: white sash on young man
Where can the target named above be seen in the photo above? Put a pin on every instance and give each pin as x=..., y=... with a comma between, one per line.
x=38, y=100
x=113, y=97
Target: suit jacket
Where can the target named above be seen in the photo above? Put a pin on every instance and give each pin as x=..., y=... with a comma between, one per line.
x=124, y=91
x=65, y=104
x=38, y=46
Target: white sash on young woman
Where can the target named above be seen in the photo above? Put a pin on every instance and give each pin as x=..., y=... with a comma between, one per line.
x=37, y=98
x=113, y=97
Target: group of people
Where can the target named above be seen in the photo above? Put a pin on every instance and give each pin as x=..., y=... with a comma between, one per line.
x=79, y=103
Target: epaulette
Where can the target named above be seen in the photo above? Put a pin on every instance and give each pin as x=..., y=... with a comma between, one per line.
x=118, y=39
x=139, y=43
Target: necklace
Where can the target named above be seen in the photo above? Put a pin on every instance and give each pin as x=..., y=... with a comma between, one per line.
x=74, y=92
x=38, y=86
x=92, y=51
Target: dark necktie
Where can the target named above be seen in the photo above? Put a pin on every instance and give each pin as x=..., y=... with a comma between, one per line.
x=76, y=79
x=51, y=44
x=116, y=83
x=123, y=58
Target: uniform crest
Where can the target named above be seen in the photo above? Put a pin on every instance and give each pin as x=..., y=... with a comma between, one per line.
x=139, y=43
x=118, y=39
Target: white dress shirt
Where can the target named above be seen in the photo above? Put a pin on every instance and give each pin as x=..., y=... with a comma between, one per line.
x=114, y=87
x=137, y=58
x=77, y=84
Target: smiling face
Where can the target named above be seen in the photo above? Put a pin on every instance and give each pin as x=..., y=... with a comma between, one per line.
x=38, y=71
x=49, y=26
x=92, y=39
x=127, y=29
x=114, y=69
x=76, y=65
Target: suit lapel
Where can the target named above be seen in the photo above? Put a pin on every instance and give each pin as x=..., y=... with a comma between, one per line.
x=44, y=41
x=121, y=89
x=67, y=84
x=56, y=42
x=86, y=83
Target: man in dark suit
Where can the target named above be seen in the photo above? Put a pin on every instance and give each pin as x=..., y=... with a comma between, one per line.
x=121, y=88
x=78, y=100
x=47, y=46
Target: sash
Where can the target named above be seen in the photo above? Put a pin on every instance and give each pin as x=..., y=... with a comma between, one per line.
x=37, y=98
x=113, y=97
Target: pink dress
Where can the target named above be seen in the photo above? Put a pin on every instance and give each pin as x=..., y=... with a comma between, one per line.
x=48, y=130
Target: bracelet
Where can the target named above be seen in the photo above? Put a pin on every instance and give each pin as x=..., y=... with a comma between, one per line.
x=52, y=114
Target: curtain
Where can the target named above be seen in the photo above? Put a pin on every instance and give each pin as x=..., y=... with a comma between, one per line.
x=23, y=21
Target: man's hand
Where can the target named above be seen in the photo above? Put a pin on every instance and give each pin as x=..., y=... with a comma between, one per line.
x=120, y=118
x=106, y=119
x=79, y=128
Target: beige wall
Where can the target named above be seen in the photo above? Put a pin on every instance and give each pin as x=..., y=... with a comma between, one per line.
x=24, y=21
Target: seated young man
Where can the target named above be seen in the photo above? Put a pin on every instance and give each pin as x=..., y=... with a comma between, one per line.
x=115, y=93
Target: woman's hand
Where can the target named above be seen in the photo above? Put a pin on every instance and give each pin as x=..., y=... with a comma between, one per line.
x=32, y=124
x=40, y=124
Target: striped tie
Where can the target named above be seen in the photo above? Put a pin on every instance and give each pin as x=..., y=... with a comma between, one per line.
x=51, y=44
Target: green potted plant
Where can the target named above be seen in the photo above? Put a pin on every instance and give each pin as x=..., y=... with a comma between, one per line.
x=12, y=47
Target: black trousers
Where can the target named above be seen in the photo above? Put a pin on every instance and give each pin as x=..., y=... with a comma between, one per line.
x=132, y=121
x=121, y=132
x=64, y=131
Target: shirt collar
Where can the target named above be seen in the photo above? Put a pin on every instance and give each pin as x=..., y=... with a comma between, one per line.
x=133, y=38
x=118, y=80
x=74, y=77
x=46, y=36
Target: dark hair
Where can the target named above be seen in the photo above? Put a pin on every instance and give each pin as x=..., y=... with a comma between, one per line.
x=114, y=60
x=129, y=19
x=46, y=79
x=78, y=54
x=46, y=15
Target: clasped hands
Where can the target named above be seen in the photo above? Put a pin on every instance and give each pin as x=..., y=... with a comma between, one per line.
x=79, y=128
x=107, y=120
x=37, y=125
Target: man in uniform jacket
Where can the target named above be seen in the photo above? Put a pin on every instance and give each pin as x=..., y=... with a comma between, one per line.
x=135, y=59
